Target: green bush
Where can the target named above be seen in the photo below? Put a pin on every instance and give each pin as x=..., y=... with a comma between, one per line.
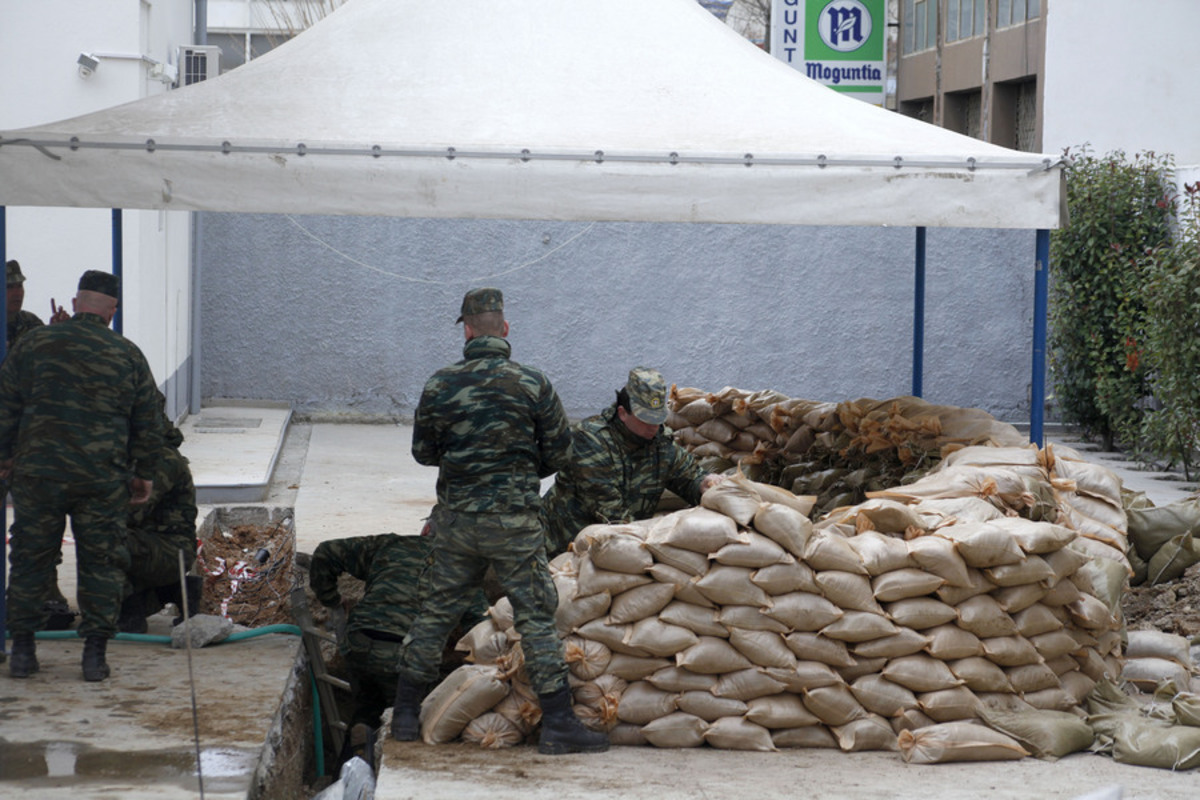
x=1171, y=430
x=1118, y=210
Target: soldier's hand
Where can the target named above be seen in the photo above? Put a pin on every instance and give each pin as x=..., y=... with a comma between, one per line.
x=139, y=490
x=58, y=313
x=710, y=480
x=6, y=469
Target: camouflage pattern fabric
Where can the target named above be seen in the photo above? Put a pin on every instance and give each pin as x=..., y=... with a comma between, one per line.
x=465, y=545
x=78, y=403
x=614, y=476
x=97, y=514
x=22, y=323
x=390, y=565
x=493, y=428
x=79, y=414
x=162, y=527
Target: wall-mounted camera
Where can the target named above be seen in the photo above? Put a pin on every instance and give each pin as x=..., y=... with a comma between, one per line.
x=88, y=64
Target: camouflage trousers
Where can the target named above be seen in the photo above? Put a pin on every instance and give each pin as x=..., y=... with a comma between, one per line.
x=373, y=676
x=98, y=513
x=464, y=545
x=154, y=558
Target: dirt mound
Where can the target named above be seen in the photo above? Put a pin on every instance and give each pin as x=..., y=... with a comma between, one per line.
x=1172, y=607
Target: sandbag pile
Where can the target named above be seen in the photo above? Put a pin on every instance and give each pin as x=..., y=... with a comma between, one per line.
x=1154, y=658
x=742, y=625
x=1163, y=539
x=837, y=451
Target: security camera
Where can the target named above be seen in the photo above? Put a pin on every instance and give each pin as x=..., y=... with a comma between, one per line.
x=87, y=65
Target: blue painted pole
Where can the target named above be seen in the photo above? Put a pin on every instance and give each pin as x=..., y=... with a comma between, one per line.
x=117, y=267
x=918, y=346
x=1041, y=303
x=4, y=487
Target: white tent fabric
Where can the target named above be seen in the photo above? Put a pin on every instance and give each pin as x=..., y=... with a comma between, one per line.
x=624, y=110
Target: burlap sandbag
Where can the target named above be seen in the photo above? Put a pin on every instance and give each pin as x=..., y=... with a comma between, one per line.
x=903, y=583
x=750, y=618
x=678, y=729
x=783, y=710
x=639, y=602
x=675, y=679
x=466, y=693
x=958, y=741
x=1048, y=735
x=641, y=703
x=701, y=620
x=1037, y=619
x=736, y=733
x=707, y=706
x=755, y=552
x=712, y=656
x=816, y=736
x=685, y=589
x=804, y=611
x=747, y=684
x=1158, y=644
x=815, y=647
x=786, y=526
x=1018, y=598
x=880, y=553
x=586, y=659
x=948, y=642
x=860, y=626
x=881, y=696
x=870, y=733
x=780, y=579
x=492, y=731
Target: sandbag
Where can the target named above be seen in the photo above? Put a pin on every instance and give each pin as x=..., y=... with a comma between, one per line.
x=736, y=733
x=639, y=602
x=957, y=741
x=903, y=583
x=869, y=733
x=781, y=710
x=880, y=553
x=466, y=693
x=710, y=708
x=1157, y=644
x=678, y=729
x=735, y=499
x=1048, y=735
x=675, y=679
x=492, y=731
x=642, y=703
x=816, y=736
x=785, y=526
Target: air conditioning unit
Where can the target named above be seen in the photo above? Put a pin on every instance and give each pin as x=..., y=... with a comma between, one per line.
x=197, y=62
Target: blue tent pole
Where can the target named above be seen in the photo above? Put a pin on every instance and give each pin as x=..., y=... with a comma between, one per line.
x=918, y=346
x=3, y=487
x=1041, y=293
x=117, y=266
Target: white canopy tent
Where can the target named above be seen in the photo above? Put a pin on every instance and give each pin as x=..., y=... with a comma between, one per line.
x=537, y=109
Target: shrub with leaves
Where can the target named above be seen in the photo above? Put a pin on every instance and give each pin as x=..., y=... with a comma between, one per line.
x=1172, y=343
x=1118, y=210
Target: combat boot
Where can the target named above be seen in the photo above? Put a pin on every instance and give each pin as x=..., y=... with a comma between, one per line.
x=562, y=732
x=132, y=618
x=171, y=594
x=95, y=668
x=406, y=714
x=23, y=661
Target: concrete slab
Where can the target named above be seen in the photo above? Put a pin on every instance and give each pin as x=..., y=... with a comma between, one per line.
x=233, y=450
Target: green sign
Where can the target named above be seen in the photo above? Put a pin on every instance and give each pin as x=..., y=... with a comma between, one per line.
x=839, y=43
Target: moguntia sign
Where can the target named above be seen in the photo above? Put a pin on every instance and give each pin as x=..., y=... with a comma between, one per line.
x=840, y=43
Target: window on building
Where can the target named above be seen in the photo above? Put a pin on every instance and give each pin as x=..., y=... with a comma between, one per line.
x=920, y=25
x=964, y=19
x=963, y=113
x=1014, y=12
x=238, y=48
x=918, y=109
x=1014, y=115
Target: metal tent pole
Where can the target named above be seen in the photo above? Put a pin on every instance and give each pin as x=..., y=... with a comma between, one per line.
x=918, y=346
x=118, y=266
x=1041, y=292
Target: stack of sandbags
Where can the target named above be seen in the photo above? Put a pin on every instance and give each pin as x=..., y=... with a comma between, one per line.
x=1154, y=658
x=835, y=451
x=740, y=624
x=1163, y=539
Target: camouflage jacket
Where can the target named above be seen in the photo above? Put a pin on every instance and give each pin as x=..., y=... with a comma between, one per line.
x=390, y=565
x=614, y=476
x=171, y=510
x=78, y=404
x=493, y=428
x=23, y=322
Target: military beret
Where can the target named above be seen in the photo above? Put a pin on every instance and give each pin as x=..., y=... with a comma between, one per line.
x=481, y=301
x=103, y=282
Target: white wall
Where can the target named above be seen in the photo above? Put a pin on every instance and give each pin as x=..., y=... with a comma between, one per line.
x=40, y=43
x=1123, y=75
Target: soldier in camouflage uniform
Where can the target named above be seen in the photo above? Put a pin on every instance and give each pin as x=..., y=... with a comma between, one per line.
x=19, y=320
x=621, y=462
x=391, y=567
x=79, y=425
x=157, y=531
x=493, y=428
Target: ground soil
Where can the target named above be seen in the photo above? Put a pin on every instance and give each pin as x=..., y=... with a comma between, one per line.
x=248, y=574
x=1172, y=607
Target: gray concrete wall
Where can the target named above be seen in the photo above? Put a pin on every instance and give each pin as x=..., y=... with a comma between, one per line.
x=349, y=316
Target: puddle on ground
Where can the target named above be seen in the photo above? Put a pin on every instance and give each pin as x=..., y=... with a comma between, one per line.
x=225, y=769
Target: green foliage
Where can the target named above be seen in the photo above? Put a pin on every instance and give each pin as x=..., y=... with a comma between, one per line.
x=1172, y=295
x=1119, y=209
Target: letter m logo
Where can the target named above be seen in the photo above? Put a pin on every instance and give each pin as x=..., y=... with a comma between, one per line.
x=845, y=25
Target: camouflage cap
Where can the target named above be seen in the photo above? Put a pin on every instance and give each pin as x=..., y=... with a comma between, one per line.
x=12, y=273
x=647, y=395
x=481, y=301
x=103, y=282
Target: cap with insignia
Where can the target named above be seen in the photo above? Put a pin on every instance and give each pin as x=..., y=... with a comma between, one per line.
x=481, y=301
x=102, y=282
x=647, y=395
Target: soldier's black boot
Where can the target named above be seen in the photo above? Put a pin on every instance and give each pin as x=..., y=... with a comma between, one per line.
x=132, y=618
x=562, y=732
x=95, y=668
x=171, y=594
x=23, y=661
x=406, y=714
